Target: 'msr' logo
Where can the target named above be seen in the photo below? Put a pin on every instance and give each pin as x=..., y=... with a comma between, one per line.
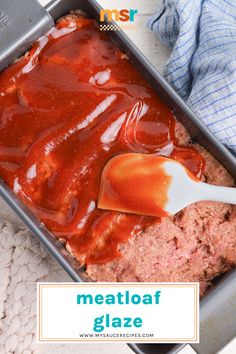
x=123, y=15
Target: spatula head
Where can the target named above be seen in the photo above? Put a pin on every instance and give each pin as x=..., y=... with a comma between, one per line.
x=135, y=183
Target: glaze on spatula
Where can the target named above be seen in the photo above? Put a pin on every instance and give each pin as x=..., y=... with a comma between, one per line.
x=154, y=185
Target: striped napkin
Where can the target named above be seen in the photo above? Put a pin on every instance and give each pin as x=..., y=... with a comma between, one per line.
x=202, y=65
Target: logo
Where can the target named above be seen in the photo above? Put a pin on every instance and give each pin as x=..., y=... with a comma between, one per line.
x=125, y=17
x=4, y=20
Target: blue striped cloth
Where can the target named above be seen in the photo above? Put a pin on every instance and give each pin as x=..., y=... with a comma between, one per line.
x=202, y=65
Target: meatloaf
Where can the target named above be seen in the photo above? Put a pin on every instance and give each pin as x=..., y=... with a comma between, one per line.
x=197, y=244
x=66, y=108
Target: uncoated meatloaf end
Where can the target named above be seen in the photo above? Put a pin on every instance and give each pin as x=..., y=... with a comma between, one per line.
x=197, y=244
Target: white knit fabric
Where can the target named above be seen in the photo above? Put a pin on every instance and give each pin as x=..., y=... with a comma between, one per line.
x=23, y=262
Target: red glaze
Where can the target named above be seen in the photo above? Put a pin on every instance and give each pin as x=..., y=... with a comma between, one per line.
x=135, y=183
x=67, y=108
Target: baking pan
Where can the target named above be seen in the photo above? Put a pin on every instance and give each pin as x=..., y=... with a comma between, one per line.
x=218, y=308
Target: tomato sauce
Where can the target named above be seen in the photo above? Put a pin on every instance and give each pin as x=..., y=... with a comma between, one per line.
x=67, y=107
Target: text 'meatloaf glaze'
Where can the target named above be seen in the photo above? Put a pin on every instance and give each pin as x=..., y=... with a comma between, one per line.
x=67, y=107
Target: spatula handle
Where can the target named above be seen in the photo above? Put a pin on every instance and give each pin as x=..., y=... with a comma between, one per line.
x=219, y=194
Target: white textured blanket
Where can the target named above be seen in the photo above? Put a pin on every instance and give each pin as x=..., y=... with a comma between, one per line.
x=23, y=262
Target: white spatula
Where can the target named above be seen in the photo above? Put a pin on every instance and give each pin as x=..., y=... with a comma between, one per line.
x=154, y=185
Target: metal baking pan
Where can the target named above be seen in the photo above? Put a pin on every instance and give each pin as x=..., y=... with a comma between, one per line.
x=218, y=308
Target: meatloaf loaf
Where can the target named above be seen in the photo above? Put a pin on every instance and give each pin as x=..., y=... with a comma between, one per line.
x=66, y=108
